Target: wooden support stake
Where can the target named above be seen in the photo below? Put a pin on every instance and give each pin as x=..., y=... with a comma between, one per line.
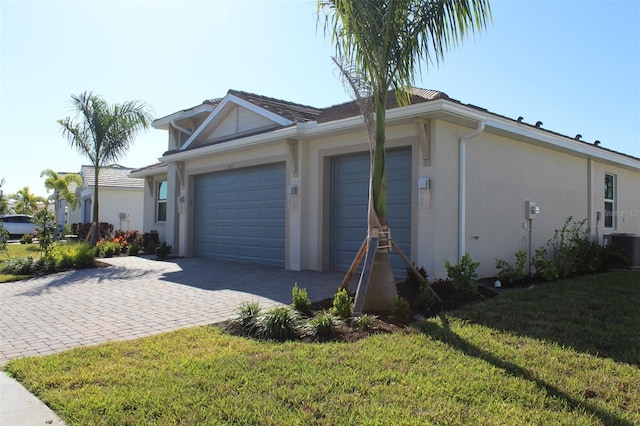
x=414, y=270
x=354, y=265
x=361, y=292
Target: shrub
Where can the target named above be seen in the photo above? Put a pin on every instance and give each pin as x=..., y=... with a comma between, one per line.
x=248, y=314
x=342, y=304
x=322, y=326
x=573, y=253
x=134, y=248
x=79, y=256
x=515, y=274
x=543, y=267
x=84, y=256
x=81, y=230
x=420, y=289
x=162, y=252
x=463, y=274
x=45, y=265
x=107, y=248
x=150, y=241
x=26, y=239
x=401, y=310
x=4, y=237
x=46, y=225
x=280, y=323
x=20, y=266
x=364, y=322
x=301, y=302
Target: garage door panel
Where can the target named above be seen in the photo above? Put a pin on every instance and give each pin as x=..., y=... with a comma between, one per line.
x=240, y=214
x=349, y=198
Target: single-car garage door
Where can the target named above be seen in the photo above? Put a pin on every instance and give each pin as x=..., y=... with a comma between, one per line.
x=349, y=198
x=240, y=214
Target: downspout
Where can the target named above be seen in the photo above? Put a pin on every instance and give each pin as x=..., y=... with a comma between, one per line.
x=462, y=187
x=182, y=129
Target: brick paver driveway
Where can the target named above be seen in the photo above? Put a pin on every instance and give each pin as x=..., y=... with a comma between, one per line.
x=137, y=297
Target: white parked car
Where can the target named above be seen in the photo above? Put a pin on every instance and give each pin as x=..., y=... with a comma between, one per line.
x=18, y=224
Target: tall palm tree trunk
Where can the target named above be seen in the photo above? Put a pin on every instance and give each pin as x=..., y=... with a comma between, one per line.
x=381, y=289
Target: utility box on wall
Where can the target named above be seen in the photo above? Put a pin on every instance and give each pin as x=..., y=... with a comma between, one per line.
x=531, y=210
x=628, y=247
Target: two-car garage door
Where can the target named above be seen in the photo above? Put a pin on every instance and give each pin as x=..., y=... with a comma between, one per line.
x=240, y=214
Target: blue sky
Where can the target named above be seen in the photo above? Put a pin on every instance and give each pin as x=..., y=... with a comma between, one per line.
x=574, y=65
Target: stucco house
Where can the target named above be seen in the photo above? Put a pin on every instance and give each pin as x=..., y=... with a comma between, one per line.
x=121, y=198
x=257, y=179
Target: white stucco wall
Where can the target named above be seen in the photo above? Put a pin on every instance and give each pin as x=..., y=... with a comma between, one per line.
x=116, y=201
x=502, y=174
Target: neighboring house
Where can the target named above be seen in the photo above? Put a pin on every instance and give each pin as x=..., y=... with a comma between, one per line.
x=257, y=179
x=121, y=198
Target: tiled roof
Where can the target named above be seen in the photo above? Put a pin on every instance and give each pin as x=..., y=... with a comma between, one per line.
x=291, y=111
x=351, y=109
x=115, y=176
x=303, y=113
x=150, y=167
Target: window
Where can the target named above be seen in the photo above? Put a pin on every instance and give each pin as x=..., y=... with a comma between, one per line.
x=161, y=207
x=609, y=201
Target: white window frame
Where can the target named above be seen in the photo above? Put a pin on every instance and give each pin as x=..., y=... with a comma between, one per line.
x=610, y=214
x=160, y=201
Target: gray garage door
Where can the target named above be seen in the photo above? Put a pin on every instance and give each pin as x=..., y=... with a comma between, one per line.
x=349, y=197
x=240, y=214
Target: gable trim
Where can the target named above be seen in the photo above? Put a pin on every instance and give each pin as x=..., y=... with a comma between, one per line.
x=224, y=105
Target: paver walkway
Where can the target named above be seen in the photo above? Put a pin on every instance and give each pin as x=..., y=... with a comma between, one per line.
x=137, y=297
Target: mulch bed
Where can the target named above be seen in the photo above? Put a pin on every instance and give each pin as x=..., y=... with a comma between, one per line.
x=385, y=323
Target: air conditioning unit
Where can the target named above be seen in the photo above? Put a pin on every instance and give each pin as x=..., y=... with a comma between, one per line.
x=628, y=246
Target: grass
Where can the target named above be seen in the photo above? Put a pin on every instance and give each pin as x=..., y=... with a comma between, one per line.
x=560, y=353
x=17, y=250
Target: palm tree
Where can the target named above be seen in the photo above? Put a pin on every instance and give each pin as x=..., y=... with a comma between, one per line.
x=4, y=205
x=387, y=41
x=26, y=202
x=103, y=133
x=59, y=184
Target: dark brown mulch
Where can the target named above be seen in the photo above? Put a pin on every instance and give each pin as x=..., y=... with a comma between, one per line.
x=385, y=323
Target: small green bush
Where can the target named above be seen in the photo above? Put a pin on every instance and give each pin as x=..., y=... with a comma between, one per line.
x=301, y=302
x=463, y=274
x=513, y=274
x=162, y=252
x=26, y=239
x=77, y=256
x=46, y=225
x=45, y=265
x=248, y=314
x=364, y=322
x=322, y=326
x=134, y=248
x=280, y=323
x=20, y=266
x=544, y=268
x=150, y=241
x=342, y=304
x=422, y=288
x=4, y=237
x=401, y=310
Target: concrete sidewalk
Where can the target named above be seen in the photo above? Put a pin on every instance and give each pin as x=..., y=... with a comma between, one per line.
x=18, y=407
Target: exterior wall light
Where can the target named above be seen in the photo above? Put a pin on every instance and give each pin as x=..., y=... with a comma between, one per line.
x=424, y=192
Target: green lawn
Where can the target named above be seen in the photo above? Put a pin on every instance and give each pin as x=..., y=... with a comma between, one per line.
x=17, y=250
x=561, y=353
